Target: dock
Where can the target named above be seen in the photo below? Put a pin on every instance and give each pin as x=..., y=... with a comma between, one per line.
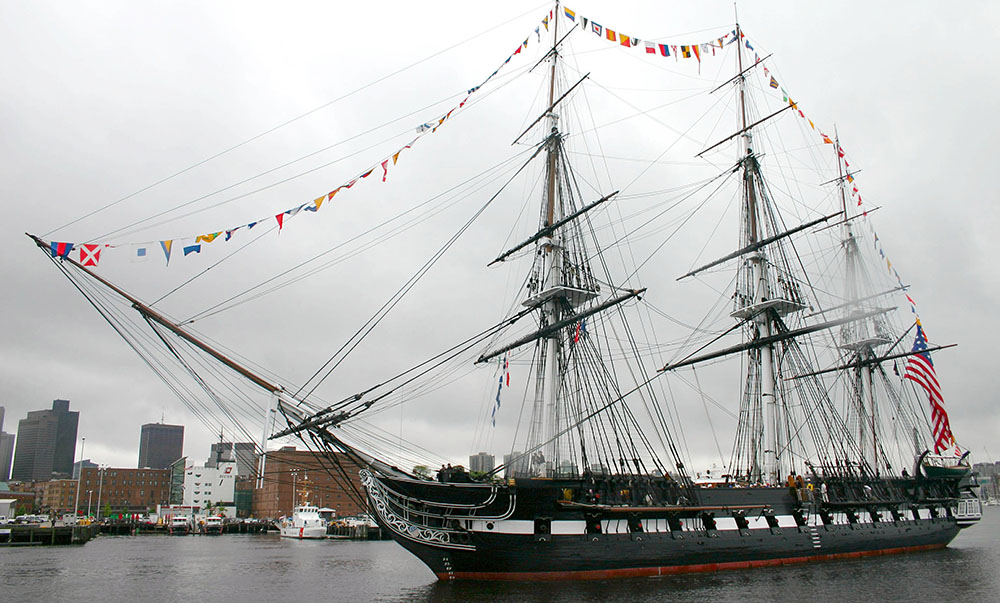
x=356, y=532
x=46, y=534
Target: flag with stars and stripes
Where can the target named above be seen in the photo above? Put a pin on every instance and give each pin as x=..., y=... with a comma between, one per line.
x=920, y=370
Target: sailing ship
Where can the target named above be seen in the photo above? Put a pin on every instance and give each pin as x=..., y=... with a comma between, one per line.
x=596, y=485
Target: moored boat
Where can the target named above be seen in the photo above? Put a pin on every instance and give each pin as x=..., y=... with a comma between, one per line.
x=212, y=525
x=305, y=523
x=180, y=525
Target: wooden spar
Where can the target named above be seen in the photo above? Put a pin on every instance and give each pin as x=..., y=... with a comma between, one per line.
x=766, y=341
x=553, y=49
x=315, y=421
x=745, y=129
x=732, y=79
x=854, y=217
x=758, y=245
x=840, y=175
x=845, y=304
x=551, y=106
x=547, y=231
x=560, y=324
x=871, y=361
x=156, y=316
x=839, y=178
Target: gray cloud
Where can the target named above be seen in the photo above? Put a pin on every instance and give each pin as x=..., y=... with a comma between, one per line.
x=103, y=100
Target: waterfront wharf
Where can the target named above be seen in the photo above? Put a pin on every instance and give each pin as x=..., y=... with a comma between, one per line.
x=356, y=532
x=42, y=534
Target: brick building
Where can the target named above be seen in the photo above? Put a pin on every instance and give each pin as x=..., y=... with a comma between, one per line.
x=58, y=496
x=29, y=494
x=124, y=489
x=311, y=479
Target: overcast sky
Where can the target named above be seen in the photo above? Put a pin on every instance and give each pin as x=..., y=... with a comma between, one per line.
x=105, y=99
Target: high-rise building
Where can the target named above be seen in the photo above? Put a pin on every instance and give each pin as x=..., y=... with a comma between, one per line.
x=82, y=464
x=244, y=454
x=6, y=454
x=516, y=464
x=481, y=463
x=222, y=452
x=160, y=445
x=6, y=450
x=46, y=443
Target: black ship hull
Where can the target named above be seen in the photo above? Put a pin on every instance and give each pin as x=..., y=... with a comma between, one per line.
x=521, y=557
x=530, y=531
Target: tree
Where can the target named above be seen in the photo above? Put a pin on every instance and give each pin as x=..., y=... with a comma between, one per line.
x=422, y=471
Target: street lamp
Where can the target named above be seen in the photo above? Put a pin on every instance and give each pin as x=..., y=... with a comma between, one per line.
x=90, y=496
x=76, y=502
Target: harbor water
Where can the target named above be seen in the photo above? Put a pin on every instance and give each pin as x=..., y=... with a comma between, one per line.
x=245, y=568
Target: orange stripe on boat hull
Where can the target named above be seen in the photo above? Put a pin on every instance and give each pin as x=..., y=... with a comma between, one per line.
x=675, y=569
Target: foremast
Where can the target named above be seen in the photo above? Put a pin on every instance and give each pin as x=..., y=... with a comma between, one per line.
x=545, y=426
x=562, y=291
x=759, y=282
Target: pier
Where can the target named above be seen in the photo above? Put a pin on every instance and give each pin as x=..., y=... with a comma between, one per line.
x=356, y=532
x=42, y=534
x=46, y=534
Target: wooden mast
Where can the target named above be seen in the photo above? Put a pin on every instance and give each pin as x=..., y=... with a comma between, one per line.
x=864, y=371
x=759, y=285
x=551, y=312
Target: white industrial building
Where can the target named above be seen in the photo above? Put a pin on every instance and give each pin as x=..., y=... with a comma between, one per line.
x=211, y=485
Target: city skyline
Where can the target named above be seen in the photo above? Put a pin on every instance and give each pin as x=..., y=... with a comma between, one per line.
x=46, y=443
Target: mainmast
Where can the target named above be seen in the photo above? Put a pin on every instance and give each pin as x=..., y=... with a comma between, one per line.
x=759, y=304
x=857, y=336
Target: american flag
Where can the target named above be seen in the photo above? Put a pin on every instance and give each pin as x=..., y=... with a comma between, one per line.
x=920, y=370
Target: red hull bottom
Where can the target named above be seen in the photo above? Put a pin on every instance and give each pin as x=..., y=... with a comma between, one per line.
x=676, y=569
